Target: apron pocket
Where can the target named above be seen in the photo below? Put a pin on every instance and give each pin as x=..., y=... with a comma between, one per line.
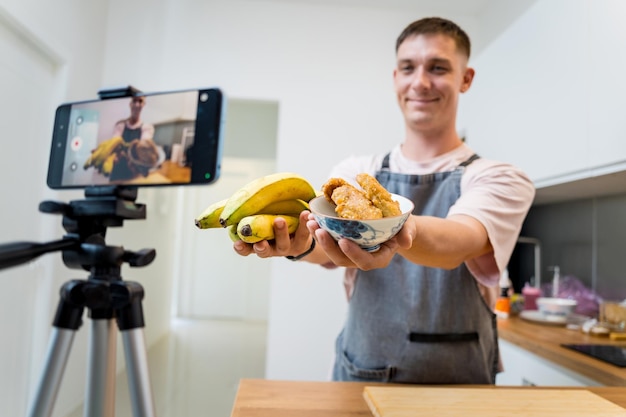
x=445, y=358
x=351, y=372
x=442, y=337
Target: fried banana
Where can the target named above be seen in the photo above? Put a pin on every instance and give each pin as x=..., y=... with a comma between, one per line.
x=353, y=204
x=330, y=186
x=144, y=152
x=378, y=195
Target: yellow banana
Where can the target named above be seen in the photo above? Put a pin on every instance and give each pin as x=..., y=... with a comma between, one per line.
x=107, y=165
x=210, y=217
x=254, y=196
x=259, y=227
x=232, y=233
x=295, y=206
x=102, y=152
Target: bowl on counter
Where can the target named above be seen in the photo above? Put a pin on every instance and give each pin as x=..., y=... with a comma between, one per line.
x=556, y=307
x=368, y=234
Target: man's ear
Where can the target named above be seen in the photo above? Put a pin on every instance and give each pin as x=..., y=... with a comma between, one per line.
x=468, y=77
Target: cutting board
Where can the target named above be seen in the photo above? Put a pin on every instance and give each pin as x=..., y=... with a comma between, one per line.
x=487, y=402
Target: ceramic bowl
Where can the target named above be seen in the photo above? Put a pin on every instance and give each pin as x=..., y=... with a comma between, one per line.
x=561, y=307
x=368, y=234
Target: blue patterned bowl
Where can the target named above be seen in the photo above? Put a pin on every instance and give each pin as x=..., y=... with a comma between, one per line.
x=368, y=234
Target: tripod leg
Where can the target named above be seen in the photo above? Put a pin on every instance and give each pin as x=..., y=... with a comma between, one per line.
x=56, y=360
x=100, y=393
x=138, y=375
x=130, y=322
x=67, y=321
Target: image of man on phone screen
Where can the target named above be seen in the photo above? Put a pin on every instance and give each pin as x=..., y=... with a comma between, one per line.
x=131, y=151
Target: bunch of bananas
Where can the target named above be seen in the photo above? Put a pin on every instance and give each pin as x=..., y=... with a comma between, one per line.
x=249, y=213
x=104, y=157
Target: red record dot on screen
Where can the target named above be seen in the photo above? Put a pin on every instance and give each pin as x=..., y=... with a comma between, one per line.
x=76, y=143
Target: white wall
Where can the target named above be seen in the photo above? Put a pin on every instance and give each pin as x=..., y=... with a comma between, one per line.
x=62, y=44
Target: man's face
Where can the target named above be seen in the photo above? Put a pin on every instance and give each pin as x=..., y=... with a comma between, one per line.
x=136, y=105
x=429, y=76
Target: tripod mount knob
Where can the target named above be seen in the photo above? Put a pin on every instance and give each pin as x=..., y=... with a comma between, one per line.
x=140, y=258
x=55, y=207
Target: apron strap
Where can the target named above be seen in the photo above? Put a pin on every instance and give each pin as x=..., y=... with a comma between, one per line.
x=385, y=165
x=469, y=160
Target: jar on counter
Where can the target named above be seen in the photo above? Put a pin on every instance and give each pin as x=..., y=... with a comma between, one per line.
x=530, y=296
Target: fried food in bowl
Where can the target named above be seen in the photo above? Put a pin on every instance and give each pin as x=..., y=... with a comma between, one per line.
x=373, y=201
x=369, y=234
x=144, y=153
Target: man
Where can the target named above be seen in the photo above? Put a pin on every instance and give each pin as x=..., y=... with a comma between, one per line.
x=139, y=137
x=133, y=127
x=421, y=308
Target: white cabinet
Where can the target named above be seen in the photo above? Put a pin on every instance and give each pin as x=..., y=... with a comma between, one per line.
x=606, y=89
x=528, y=103
x=522, y=367
x=548, y=94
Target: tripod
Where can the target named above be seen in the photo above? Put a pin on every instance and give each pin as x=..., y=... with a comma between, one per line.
x=103, y=293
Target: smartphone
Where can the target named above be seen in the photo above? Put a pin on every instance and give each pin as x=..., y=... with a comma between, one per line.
x=145, y=139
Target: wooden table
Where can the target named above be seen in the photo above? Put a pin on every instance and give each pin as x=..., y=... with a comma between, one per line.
x=168, y=172
x=545, y=341
x=174, y=172
x=269, y=398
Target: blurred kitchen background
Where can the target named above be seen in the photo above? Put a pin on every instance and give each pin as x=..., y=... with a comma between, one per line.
x=583, y=238
x=309, y=83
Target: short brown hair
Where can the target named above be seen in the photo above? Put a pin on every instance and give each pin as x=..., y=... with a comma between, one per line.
x=437, y=25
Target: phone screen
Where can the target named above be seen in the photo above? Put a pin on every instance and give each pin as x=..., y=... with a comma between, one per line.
x=156, y=139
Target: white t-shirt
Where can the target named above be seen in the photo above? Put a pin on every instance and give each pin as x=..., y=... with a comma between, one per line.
x=496, y=194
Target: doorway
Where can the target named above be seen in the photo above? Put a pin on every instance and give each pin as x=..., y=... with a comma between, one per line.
x=213, y=281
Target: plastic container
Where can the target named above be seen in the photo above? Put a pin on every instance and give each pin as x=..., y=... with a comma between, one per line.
x=530, y=294
x=503, y=303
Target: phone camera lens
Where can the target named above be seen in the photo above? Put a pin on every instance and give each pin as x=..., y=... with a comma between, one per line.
x=204, y=97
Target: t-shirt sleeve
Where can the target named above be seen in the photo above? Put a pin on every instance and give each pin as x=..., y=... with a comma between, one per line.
x=499, y=196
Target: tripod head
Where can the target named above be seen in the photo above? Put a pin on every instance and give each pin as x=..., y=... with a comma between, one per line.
x=86, y=222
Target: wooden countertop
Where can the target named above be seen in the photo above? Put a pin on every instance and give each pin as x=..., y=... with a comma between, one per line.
x=168, y=172
x=265, y=398
x=545, y=340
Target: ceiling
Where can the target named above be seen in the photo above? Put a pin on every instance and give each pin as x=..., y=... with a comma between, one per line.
x=458, y=7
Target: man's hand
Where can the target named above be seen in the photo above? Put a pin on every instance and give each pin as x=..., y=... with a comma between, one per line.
x=283, y=244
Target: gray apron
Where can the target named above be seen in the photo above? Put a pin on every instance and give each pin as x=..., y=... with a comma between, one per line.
x=409, y=323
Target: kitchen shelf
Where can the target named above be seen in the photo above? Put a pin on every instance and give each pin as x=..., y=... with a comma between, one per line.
x=600, y=181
